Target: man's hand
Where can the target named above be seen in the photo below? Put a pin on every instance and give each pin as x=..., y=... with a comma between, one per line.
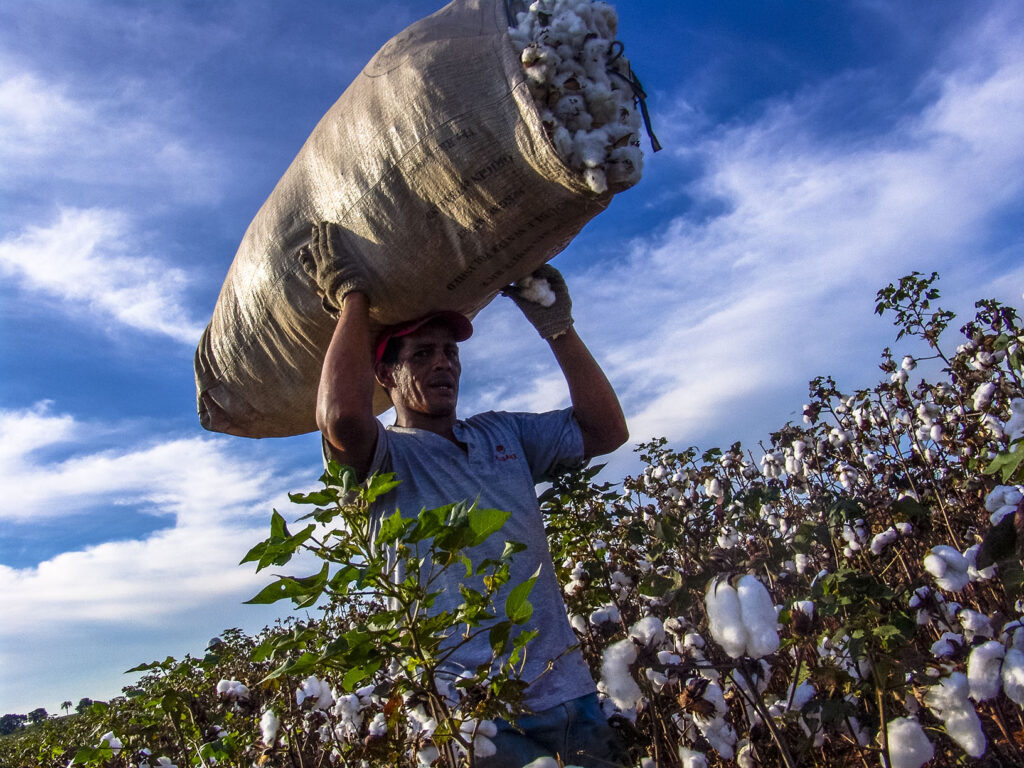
x=550, y=321
x=334, y=275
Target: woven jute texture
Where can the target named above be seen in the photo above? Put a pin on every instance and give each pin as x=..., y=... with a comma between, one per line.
x=436, y=166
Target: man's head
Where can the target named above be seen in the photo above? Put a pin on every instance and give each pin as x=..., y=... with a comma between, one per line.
x=418, y=364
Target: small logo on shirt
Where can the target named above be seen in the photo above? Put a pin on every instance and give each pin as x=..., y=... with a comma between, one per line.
x=500, y=454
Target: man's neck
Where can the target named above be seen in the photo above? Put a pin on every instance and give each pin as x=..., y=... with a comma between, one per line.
x=439, y=425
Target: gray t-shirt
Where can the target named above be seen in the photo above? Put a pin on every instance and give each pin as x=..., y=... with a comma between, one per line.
x=506, y=455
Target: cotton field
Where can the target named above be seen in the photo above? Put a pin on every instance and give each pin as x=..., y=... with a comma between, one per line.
x=854, y=600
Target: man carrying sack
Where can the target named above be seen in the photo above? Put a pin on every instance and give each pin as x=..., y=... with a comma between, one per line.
x=495, y=458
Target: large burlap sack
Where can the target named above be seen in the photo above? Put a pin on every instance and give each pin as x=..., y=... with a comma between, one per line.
x=437, y=167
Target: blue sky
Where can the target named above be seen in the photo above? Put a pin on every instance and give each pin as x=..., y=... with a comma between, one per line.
x=813, y=153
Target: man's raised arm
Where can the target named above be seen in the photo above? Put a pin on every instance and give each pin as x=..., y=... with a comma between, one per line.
x=344, y=407
x=594, y=402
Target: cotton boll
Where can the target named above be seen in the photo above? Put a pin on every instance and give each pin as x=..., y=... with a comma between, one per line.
x=591, y=147
x=724, y=619
x=603, y=105
x=596, y=180
x=719, y=734
x=315, y=691
x=1013, y=675
x=746, y=755
x=616, y=676
x=975, y=623
x=625, y=164
x=649, y=631
x=983, y=395
x=562, y=140
x=948, y=567
x=759, y=617
x=948, y=700
x=909, y=747
x=691, y=759
x=270, y=724
x=971, y=556
x=881, y=541
x=537, y=290
x=945, y=646
x=983, y=670
x=1014, y=428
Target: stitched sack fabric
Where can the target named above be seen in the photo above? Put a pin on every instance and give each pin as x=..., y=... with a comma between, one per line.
x=437, y=167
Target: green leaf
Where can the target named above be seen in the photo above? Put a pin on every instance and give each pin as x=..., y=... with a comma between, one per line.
x=909, y=510
x=303, y=592
x=429, y=523
x=320, y=498
x=484, y=522
x=379, y=485
x=279, y=548
x=517, y=607
x=1008, y=463
x=499, y=636
x=167, y=663
x=392, y=528
x=296, y=667
x=356, y=675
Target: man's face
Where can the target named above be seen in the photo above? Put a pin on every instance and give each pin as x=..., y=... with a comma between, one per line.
x=425, y=378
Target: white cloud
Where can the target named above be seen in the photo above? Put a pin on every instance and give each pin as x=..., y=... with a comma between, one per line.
x=89, y=259
x=181, y=583
x=117, y=137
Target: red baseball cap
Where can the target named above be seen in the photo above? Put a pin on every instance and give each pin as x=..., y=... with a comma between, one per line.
x=458, y=323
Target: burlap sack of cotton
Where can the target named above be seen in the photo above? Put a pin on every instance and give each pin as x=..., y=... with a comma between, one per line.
x=471, y=149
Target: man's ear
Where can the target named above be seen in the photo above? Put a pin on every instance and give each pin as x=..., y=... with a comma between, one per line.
x=384, y=376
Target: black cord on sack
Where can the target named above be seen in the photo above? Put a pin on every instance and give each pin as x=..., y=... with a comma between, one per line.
x=639, y=94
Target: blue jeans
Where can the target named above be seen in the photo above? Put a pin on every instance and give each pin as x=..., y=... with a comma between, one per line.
x=576, y=731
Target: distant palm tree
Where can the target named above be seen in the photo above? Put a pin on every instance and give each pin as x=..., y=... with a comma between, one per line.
x=66, y=706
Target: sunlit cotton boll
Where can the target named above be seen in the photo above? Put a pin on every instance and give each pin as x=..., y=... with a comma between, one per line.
x=618, y=681
x=948, y=567
x=270, y=724
x=1013, y=675
x=983, y=668
x=649, y=631
x=1003, y=501
x=909, y=747
x=742, y=620
x=724, y=619
x=1014, y=428
x=759, y=617
x=948, y=700
x=316, y=691
x=608, y=614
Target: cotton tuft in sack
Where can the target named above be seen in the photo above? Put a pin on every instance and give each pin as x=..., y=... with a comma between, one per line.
x=449, y=180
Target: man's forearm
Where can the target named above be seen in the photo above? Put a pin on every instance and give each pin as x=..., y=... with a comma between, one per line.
x=345, y=396
x=594, y=402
